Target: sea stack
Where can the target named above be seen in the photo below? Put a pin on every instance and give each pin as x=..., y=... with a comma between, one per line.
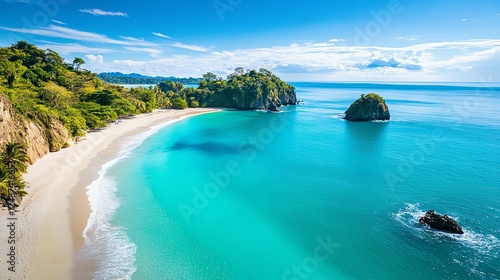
x=369, y=107
x=440, y=222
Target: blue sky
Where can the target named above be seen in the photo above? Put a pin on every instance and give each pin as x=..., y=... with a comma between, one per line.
x=315, y=40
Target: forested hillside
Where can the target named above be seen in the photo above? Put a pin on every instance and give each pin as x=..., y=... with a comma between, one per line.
x=137, y=79
x=44, y=100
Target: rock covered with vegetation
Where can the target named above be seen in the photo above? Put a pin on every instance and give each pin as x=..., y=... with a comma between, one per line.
x=369, y=107
x=243, y=90
x=246, y=90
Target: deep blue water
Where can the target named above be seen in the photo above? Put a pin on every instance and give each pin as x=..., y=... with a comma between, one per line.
x=303, y=194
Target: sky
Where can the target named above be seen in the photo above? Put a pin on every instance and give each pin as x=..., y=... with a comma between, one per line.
x=315, y=40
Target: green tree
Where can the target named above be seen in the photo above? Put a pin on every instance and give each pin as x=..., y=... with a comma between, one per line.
x=167, y=86
x=239, y=71
x=210, y=77
x=123, y=107
x=168, y=103
x=193, y=103
x=10, y=183
x=75, y=122
x=56, y=96
x=96, y=115
x=105, y=97
x=179, y=103
x=4, y=181
x=15, y=157
x=148, y=96
x=13, y=162
x=11, y=70
x=78, y=62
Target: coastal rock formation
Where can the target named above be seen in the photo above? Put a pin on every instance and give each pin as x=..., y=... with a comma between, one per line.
x=272, y=102
x=441, y=222
x=39, y=139
x=246, y=90
x=369, y=107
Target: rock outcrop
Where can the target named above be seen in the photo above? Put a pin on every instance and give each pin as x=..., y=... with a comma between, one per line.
x=369, y=107
x=440, y=222
x=246, y=90
x=39, y=139
x=270, y=102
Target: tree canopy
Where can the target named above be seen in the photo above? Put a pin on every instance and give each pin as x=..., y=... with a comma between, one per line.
x=78, y=62
x=136, y=79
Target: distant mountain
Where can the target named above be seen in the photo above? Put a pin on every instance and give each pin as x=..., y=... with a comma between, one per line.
x=135, y=79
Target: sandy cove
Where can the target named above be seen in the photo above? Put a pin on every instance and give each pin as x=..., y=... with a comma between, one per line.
x=53, y=216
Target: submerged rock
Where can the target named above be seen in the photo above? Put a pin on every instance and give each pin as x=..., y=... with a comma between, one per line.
x=441, y=222
x=369, y=107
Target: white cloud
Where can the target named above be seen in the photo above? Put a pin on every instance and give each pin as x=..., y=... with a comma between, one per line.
x=465, y=61
x=465, y=19
x=97, y=59
x=407, y=38
x=70, y=48
x=463, y=45
x=335, y=40
x=58, y=22
x=410, y=61
x=99, y=12
x=161, y=35
x=139, y=42
x=189, y=47
x=152, y=52
x=325, y=61
x=73, y=34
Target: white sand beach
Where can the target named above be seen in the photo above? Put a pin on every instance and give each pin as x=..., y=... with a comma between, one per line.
x=52, y=218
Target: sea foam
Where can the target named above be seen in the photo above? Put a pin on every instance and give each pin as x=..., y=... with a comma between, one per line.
x=486, y=244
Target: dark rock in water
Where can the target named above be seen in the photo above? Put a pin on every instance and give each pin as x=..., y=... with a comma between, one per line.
x=441, y=222
x=273, y=107
x=369, y=107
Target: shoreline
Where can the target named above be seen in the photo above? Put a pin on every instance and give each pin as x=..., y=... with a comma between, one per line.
x=54, y=215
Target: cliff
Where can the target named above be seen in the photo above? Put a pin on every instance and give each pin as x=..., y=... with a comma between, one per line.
x=369, y=107
x=272, y=102
x=39, y=139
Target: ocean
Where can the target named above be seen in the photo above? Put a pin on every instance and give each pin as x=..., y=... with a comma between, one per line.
x=303, y=194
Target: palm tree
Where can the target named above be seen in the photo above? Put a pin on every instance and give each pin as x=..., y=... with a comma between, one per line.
x=14, y=156
x=10, y=188
x=4, y=181
x=12, y=163
x=168, y=103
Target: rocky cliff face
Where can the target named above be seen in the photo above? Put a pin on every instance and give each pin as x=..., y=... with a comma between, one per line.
x=273, y=103
x=39, y=139
x=369, y=107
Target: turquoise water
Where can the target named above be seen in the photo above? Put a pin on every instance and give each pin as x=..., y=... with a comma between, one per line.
x=303, y=194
